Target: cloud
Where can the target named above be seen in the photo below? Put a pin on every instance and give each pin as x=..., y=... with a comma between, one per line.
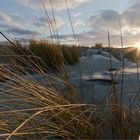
x=83, y=38
x=42, y=21
x=95, y=28
x=11, y=25
x=5, y=18
x=131, y=15
x=17, y=17
x=79, y=23
x=108, y=19
x=4, y=26
x=24, y=32
x=9, y=20
x=98, y=24
x=77, y=14
x=105, y=19
x=57, y=4
x=18, y=31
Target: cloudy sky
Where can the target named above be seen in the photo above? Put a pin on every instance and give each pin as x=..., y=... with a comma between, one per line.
x=90, y=18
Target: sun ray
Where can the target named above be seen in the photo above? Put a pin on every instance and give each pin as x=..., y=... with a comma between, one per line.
x=137, y=45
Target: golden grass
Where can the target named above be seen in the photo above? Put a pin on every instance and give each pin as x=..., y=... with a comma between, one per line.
x=50, y=57
x=41, y=110
x=52, y=108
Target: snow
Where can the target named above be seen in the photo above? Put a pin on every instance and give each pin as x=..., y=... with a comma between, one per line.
x=96, y=79
x=97, y=63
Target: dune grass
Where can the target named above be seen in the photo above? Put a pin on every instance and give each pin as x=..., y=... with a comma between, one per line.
x=71, y=54
x=49, y=106
x=48, y=56
x=52, y=107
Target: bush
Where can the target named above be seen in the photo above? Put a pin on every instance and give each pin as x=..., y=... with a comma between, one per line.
x=71, y=54
x=47, y=55
x=50, y=57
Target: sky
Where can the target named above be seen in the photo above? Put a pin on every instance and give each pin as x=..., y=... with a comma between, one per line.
x=91, y=19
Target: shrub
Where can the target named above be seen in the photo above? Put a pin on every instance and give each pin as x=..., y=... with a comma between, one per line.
x=71, y=54
x=49, y=54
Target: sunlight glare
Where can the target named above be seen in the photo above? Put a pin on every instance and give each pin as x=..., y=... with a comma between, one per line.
x=138, y=49
x=138, y=45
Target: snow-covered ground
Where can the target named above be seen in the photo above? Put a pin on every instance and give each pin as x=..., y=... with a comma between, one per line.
x=96, y=79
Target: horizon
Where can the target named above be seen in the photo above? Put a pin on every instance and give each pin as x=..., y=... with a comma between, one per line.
x=91, y=19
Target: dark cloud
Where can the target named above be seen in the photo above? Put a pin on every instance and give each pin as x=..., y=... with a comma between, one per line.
x=109, y=20
x=82, y=36
x=131, y=16
x=11, y=25
x=109, y=15
x=4, y=26
x=24, y=32
x=98, y=24
x=42, y=22
x=105, y=19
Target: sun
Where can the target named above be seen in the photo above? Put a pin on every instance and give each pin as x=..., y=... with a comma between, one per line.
x=138, y=45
